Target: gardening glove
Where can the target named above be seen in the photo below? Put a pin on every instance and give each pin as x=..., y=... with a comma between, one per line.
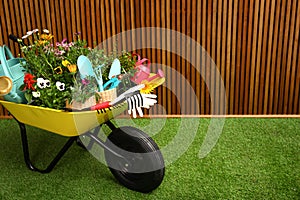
x=139, y=101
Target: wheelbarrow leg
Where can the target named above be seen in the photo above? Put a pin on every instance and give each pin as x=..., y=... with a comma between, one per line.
x=27, y=156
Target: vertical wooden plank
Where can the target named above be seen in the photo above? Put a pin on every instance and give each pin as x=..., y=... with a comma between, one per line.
x=93, y=30
x=213, y=85
x=289, y=82
x=36, y=14
x=163, y=52
x=98, y=22
x=223, y=54
x=181, y=59
x=43, y=15
x=274, y=56
x=87, y=23
x=169, y=63
x=213, y=82
x=56, y=12
x=78, y=17
x=132, y=23
x=82, y=12
x=219, y=42
x=296, y=65
x=284, y=74
x=48, y=16
x=18, y=28
x=260, y=21
x=228, y=57
x=278, y=65
x=19, y=21
x=128, y=20
x=73, y=17
x=8, y=23
x=248, y=60
x=103, y=20
x=208, y=58
x=244, y=58
x=113, y=18
x=174, y=61
x=60, y=20
x=269, y=59
x=53, y=20
x=198, y=55
x=202, y=57
x=193, y=47
x=263, y=75
x=3, y=24
x=234, y=71
x=68, y=22
x=22, y=17
x=238, y=55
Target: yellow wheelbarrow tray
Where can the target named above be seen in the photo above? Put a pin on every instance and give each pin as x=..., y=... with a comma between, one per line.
x=144, y=151
x=59, y=121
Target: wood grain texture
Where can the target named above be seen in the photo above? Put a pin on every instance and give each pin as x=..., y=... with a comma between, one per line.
x=252, y=45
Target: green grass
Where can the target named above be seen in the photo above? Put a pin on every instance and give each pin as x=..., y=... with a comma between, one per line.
x=253, y=159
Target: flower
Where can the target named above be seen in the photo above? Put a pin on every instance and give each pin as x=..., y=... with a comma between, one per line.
x=65, y=63
x=47, y=83
x=35, y=30
x=60, y=86
x=36, y=94
x=41, y=83
x=25, y=36
x=72, y=68
x=85, y=81
x=29, y=81
x=46, y=31
x=46, y=37
x=29, y=33
x=58, y=70
x=147, y=89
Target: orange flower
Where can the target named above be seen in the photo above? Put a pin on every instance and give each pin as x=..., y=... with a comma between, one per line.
x=72, y=68
x=46, y=37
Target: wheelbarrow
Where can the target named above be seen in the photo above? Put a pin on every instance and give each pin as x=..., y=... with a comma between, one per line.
x=133, y=158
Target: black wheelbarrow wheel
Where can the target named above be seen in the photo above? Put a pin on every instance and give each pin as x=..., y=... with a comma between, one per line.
x=142, y=166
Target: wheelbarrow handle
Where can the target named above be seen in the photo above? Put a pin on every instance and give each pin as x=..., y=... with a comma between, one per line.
x=16, y=39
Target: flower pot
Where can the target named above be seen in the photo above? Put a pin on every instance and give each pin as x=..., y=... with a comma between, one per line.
x=88, y=103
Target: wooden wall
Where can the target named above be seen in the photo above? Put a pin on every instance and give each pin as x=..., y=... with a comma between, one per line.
x=255, y=45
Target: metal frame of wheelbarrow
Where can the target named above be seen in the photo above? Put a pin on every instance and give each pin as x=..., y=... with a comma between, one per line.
x=64, y=149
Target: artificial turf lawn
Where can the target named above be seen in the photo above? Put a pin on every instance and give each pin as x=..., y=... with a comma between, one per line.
x=253, y=159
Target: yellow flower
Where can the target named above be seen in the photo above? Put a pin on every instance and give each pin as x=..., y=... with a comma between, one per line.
x=58, y=70
x=46, y=37
x=147, y=89
x=66, y=63
x=41, y=42
x=72, y=68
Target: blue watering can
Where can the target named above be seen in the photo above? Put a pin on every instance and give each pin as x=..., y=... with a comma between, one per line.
x=11, y=70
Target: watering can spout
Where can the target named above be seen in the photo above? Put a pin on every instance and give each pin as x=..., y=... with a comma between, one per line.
x=6, y=88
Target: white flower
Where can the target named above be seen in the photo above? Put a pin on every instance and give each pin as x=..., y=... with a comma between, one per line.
x=60, y=86
x=47, y=83
x=46, y=31
x=25, y=36
x=29, y=33
x=36, y=94
x=35, y=30
x=41, y=83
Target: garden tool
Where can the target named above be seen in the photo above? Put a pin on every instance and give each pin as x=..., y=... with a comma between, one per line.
x=114, y=71
x=86, y=69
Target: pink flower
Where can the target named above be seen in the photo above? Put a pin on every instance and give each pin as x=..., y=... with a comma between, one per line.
x=85, y=82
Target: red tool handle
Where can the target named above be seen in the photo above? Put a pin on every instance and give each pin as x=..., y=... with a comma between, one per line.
x=101, y=106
